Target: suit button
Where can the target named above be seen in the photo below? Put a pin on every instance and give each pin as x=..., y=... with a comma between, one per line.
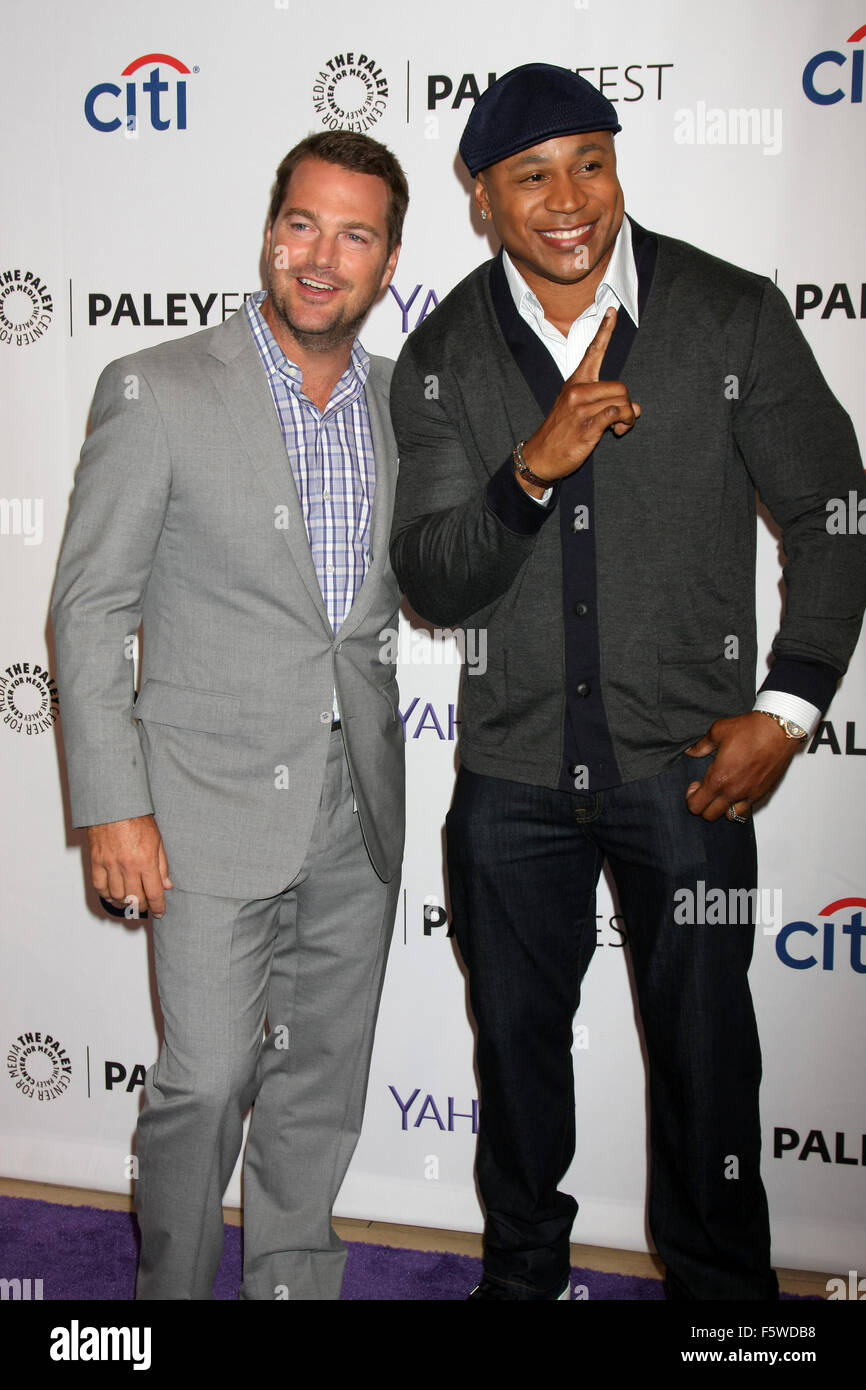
x=581, y=610
x=325, y=717
x=583, y=689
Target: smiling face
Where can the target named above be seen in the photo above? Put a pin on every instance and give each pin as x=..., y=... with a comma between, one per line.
x=327, y=257
x=557, y=209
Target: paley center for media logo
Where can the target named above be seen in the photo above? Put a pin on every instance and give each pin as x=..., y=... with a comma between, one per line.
x=39, y=1066
x=350, y=92
x=26, y=307
x=28, y=698
x=154, y=94
x=818, y=73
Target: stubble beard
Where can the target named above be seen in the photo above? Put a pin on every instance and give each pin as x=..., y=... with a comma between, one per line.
x=323, y=340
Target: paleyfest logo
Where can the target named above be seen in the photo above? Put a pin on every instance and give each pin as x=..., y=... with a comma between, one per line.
x=101, y=103
x=833, y=58
x=350, y=92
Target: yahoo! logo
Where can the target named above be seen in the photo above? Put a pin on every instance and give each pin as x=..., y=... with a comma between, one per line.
x=429, y=1110
x=830, y=55
x=798, y=960
x=422, y=308
x=424, y=719
x=158, y=114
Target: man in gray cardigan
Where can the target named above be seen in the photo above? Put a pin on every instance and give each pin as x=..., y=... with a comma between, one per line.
x=604, y=537
x=235, y=497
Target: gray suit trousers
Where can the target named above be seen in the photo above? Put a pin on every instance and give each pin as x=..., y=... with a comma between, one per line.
x=309, y=960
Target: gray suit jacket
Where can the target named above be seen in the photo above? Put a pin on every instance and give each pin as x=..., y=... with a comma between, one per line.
x=732, y=400
x=185, y=517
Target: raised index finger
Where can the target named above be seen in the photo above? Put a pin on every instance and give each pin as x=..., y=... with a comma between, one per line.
x=590, y=364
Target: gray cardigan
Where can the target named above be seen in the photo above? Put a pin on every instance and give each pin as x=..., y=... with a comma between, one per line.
x=732, y=400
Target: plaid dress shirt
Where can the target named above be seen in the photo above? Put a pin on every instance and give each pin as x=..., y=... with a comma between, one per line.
x=331, y=456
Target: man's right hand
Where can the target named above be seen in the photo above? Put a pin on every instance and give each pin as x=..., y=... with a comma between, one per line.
x=584, y=409
x=127, y=861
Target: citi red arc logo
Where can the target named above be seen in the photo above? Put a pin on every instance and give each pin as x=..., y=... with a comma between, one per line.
x=839, y=904
x=146, y=101
x=833, y=952
x=822, y=97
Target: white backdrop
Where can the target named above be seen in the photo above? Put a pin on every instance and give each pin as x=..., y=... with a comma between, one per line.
x=119, y=233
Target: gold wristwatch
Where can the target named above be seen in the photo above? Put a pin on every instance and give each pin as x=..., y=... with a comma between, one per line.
x=791, y=729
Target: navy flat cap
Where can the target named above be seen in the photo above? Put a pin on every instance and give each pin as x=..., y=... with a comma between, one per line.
x=530, y=104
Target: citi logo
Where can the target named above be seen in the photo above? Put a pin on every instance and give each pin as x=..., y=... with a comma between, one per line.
x=147, y=97
x=818, y=94
x=802, y=955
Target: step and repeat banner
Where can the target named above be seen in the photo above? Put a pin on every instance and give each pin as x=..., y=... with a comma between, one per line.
x=140, y=142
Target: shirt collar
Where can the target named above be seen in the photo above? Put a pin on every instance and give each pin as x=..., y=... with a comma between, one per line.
x=278, y=364
x=620, y=277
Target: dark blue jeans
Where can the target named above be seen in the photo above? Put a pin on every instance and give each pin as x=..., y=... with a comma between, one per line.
x=523, y=866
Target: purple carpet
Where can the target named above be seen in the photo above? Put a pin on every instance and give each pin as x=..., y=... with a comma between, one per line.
x=84, y=1253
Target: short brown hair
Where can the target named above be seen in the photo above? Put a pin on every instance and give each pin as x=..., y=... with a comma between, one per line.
x=351, y=151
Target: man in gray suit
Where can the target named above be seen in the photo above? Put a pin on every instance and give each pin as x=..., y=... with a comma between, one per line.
x=235, y=497
x=607, y=548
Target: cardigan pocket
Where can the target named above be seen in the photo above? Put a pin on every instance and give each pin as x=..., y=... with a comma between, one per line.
x=696, y=686
x=484, y=702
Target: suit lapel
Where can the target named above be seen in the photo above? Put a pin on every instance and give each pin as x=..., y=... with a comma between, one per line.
x=239, y=376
